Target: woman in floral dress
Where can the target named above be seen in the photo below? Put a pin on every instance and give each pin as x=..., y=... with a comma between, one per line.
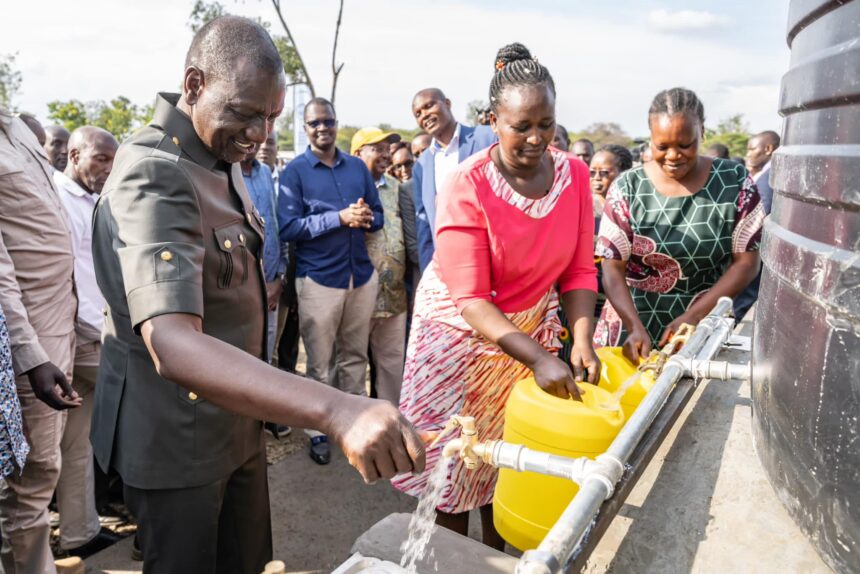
x=677, y=233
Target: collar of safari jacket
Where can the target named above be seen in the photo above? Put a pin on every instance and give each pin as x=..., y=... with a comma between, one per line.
x=179, y=128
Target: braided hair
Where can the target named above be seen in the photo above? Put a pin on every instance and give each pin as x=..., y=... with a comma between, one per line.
x=677, y=101
x=623, y=157
x=515, y=66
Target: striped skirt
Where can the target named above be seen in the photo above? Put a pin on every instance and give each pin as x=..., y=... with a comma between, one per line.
x=450, y=370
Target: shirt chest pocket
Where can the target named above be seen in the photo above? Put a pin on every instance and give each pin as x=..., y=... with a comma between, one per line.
x=233, y=255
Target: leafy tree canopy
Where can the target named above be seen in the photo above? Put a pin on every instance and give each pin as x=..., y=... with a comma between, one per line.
x=732, y=132
x=119, y=116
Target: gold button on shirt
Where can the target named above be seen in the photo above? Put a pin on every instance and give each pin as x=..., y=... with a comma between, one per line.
x=166, y=255
x=192, y=396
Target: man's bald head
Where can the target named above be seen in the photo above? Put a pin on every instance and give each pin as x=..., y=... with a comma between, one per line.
x=90, y=136
x=35, y=127
x=56, y=145
x=434, y=93
x=221, y=43
x=91, y=153
x=769, y=137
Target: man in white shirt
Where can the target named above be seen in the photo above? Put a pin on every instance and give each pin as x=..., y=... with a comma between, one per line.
x=452, y=143
x=91, y=153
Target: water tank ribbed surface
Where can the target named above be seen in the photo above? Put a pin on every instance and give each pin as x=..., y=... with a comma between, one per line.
x=806, y=348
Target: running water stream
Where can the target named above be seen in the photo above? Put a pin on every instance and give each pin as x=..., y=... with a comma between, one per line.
x=423, y=522
x=614, y=402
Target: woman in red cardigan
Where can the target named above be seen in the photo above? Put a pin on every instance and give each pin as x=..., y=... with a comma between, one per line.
x=514, y=228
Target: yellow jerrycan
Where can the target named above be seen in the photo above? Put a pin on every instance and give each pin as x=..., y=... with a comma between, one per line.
x=616, y=372
x=527, y=504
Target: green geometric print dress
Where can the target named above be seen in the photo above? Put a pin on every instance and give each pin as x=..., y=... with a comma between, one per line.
x=676, y=248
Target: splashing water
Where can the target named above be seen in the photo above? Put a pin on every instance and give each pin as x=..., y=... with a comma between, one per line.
x=614, y=402
x=423, y=522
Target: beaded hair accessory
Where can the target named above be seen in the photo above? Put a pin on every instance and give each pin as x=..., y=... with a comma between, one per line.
x=500, y=64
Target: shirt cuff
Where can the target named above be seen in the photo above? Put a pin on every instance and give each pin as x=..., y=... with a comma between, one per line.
x=163, y=298
x=27, y=357
x=331, y=220
x=585, y=281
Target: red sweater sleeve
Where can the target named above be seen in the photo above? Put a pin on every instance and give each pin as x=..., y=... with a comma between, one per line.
x=581, y=273
x=462, y=242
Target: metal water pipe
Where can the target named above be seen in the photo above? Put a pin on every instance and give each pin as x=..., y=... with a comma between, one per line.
x=599, y=480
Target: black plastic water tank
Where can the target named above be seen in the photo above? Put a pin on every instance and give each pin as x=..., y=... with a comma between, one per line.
x=806, y=348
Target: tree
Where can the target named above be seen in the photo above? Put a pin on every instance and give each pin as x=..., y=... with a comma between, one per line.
x=294, y=65
x=474, y=109
x=71, y=115
x=120, y=116
x=10, y=80
x=732, y=132
x=603, y=133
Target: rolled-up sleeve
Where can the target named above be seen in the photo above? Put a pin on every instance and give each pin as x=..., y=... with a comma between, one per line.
x=581, y=272
x=462, y=242
x=158, y=226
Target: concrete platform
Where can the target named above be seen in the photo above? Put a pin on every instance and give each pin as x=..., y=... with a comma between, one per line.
x=704, y=503
x=447, y=550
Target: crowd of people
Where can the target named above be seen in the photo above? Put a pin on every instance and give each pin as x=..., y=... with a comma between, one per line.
x=153, y=294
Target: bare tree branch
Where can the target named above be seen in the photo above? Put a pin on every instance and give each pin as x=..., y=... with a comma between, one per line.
x=336, y=68
x=277, y=5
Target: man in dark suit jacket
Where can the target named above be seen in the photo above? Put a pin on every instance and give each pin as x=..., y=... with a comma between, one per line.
x=452, y=143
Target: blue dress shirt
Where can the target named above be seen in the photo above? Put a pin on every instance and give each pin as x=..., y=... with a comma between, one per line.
x=262, y=191
x=312, y=195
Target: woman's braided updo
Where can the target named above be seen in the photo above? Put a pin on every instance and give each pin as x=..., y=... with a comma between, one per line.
x=515, y=66
x=678, y=101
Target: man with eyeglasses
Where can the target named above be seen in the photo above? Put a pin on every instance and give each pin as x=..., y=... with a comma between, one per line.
x=328, y=203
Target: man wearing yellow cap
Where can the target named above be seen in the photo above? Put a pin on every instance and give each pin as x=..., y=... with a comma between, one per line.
x=328, y=203
x=387, y=250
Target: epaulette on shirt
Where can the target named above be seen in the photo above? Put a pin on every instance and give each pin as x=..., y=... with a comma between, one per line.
x=168, y=148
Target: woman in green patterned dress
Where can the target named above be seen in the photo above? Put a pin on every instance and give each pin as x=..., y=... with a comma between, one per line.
x=677, y=233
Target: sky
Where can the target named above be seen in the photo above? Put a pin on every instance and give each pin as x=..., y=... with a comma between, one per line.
x=608, y=58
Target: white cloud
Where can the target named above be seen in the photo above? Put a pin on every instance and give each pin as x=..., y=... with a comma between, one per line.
x=605, y=68
x=685, y=20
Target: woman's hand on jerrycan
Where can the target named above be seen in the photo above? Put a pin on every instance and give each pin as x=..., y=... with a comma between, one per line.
x=586, y=365
x=637, y=345
x=555, y=377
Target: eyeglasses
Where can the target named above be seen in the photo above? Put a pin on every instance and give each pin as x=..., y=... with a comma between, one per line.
x=405, y=165
x=328, y=122
x=603, y=173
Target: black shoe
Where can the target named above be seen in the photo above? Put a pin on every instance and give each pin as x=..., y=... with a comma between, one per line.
x=136, y=552
x=278, y=431
x=101, y=541
x=320, y=450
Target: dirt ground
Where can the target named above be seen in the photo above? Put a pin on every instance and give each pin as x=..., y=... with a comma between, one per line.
x=317, y=512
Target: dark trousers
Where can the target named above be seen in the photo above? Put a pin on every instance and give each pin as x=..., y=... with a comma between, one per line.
x=223, y=527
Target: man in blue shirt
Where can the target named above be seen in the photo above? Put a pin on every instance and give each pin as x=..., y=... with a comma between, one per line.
x=328, y=202
x=258, y=180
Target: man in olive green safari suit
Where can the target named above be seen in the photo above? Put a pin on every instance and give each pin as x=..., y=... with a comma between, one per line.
x=182, y=388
